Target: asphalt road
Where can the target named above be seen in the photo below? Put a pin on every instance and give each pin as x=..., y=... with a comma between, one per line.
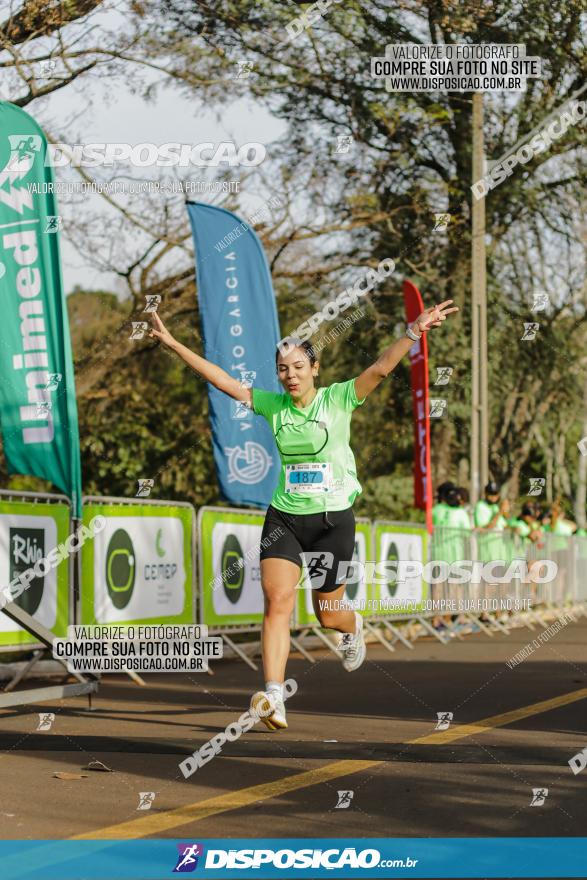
x=372, y=732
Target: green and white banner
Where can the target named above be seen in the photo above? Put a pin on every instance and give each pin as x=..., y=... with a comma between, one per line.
x=38, y=412
x=358, y=591
x=396, y=591
x=28, y=532
x=140, y=566
x=230, y=573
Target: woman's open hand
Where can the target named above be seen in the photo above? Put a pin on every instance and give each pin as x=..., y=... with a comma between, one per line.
x=159, y=331
x=433, y=316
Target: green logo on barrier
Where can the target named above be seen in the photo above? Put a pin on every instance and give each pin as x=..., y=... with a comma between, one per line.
x=120, y=568
x=27, y=547
x=352, y=587
x=392, y=556
x=232, y=564
x=158, y=548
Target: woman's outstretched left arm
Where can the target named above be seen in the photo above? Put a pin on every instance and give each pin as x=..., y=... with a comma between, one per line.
x=390, y=358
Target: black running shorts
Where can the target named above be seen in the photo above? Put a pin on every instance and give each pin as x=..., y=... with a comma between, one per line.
x=325, y=538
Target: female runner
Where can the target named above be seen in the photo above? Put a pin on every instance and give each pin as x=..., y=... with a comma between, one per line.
x=311, y=508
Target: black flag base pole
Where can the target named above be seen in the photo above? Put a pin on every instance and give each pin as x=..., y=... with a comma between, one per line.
x=86, y=684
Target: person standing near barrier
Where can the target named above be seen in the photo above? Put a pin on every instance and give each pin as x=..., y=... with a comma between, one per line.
x=489, y=517
x=441, y=508
x=450, y=536
x=312, y=503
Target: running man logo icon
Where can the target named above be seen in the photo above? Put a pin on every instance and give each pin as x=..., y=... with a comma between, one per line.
x=344, y=143
x=244, y=70
x=540, y=302
x=537, y=484
x=530, y=331
x=437, y=407
x=43, y=408
x=47, y=67
x=443, y=375
x=318, y=566
x=46, y=719
x=441, y=222
x=187, y=860
x=152, y=300
x=22, y=156
x=54, y=223
x=539, y=795
x=444, y=719
x=145, y=487
x=344, y=800
x=138, y=329
x=146, y=798
x=53, y=381
x=240, y=410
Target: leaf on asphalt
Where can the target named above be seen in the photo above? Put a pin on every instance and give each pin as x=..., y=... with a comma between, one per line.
x=98, y=765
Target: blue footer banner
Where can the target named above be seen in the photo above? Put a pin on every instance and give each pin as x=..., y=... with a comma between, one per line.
x=295, y=857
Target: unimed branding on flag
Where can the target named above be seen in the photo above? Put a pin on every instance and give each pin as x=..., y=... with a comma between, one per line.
x=38, y=413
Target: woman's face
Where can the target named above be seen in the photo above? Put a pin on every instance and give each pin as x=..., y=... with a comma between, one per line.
x=295, y=372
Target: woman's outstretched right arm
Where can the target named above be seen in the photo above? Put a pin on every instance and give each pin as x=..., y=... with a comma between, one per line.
x=212, y=373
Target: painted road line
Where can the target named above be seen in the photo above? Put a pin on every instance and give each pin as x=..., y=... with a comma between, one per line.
x=450, y=735
x=244, y=797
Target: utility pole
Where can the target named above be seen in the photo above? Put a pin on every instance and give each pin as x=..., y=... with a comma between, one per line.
x=479, y=391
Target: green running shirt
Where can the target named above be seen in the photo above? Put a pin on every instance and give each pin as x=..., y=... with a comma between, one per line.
x=320, y=432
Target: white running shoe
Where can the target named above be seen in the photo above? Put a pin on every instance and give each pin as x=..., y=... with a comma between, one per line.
x=270, y=708
x=353, y=647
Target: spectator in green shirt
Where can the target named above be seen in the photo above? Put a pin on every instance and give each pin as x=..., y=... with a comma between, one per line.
x=440, y=509
x=526, y=526
x=490, y=516
x=450, y=544
x=555, y=522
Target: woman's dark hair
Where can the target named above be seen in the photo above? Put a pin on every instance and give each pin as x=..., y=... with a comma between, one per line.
x=292, y=342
